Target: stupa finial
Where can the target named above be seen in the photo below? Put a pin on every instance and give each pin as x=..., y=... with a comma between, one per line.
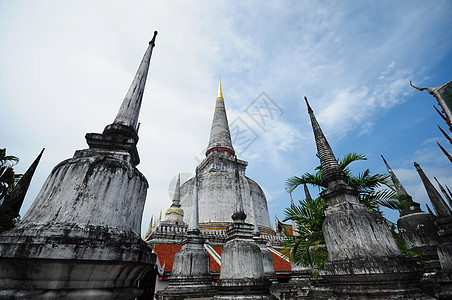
x=330, y=167
x=220, y=93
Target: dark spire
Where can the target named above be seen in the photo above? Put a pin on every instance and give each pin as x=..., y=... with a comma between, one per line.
x=220, y=136
x=15, y=199
x=122, y=133
x=440, y=113
x=130, y=108
x=445, y=134
x=398, y=186
x=445, y=152
x=444, y=192
x=306, y=192
x=413, y=206
x=330, y=167
x=239, y=213
x=448, y=190
x=440, y=207
x=429, y=210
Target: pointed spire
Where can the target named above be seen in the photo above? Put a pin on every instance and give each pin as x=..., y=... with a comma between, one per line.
x=148, y=233
x=398, y=186
x=306, y=192
x=445, y=152
x=445, y=134
x=193, y=226
x=14, y=200
x=122, y=134
x=220, y=93
x=440, y=113
x=444, y=192
x=176, y=197
x=130, y=108
x=220, y=136
x=239, y=213
x=440, y=207
x=429, y=210
x=448, y=190
x=330, y=167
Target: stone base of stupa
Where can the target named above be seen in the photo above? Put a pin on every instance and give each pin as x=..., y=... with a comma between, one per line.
x=244, y=289
x=74, y=263
x=374, y=278
x=299, y=285
x=188, y=287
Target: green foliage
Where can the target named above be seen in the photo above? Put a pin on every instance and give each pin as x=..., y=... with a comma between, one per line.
x=307, y=245
x=308, y=248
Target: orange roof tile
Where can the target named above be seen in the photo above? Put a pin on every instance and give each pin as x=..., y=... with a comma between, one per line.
x=166, y=252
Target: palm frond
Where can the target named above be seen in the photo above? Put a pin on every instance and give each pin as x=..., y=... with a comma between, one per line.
x=349, y=158
x=293, y=182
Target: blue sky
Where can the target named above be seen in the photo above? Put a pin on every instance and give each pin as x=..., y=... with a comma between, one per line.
x=65, y=67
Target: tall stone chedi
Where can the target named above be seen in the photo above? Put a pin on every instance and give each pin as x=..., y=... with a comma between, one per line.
x=363, y=258
x=81, y=237
x=417, y=228
x=217, y=181
x=190, y=277
x=242, y=273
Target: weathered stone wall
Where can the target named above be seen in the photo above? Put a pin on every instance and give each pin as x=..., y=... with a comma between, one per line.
x=216, y=194
x=91, y=191
x=351, y=231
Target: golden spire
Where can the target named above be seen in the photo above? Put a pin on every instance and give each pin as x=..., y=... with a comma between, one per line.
x=220, y=94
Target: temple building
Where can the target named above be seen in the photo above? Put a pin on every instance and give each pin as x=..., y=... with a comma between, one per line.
x=216, y=194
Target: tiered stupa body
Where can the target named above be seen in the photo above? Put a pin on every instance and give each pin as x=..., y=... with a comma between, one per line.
x=217, y=181
x=363, y=259
x=80, y=239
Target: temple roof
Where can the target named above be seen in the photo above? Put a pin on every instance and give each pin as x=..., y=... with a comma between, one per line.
x=220, y=136
x=166, y=252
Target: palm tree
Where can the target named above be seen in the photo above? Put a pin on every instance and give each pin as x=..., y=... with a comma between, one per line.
x=307, y=246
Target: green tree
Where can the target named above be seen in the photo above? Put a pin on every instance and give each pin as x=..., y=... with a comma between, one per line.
x=307, y=246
